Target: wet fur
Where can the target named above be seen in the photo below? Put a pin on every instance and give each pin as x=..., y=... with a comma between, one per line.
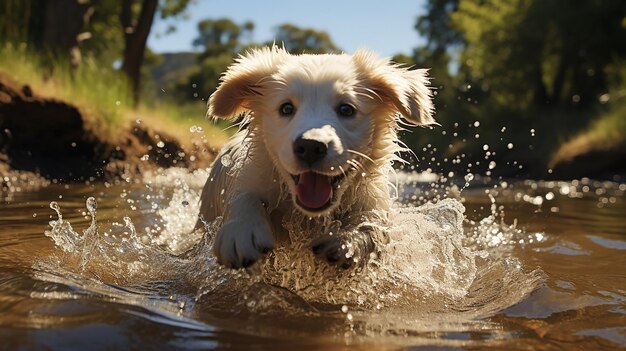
x=250, y=184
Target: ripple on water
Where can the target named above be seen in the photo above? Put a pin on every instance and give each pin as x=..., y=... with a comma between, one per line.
x=428, y=270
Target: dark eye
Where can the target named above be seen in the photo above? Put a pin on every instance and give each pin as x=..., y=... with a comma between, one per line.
x=345, y=110
x=287, y=109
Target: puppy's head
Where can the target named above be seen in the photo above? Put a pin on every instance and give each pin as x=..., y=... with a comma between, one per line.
x=324, y=119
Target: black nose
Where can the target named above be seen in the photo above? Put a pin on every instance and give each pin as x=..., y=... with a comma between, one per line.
x=308, y=150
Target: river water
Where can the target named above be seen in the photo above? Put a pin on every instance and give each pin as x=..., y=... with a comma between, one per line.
x=468, y=264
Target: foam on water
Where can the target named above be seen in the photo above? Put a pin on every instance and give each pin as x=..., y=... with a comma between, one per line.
x=428, y=265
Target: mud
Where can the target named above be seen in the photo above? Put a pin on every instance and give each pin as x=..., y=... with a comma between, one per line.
x=53, y=139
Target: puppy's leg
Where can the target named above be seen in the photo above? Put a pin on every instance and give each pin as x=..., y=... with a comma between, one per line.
x=246, y=234
x=350, y=246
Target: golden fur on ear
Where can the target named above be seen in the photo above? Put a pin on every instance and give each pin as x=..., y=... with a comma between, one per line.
x=407, y=91
x=241, y=82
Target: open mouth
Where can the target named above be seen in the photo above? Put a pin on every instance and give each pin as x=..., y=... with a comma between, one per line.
x=314, y=191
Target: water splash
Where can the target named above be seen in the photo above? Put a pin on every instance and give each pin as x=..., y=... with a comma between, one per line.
x=427, y=264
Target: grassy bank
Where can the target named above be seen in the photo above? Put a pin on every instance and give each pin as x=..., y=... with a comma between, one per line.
x=605, y=133
x=102, y=95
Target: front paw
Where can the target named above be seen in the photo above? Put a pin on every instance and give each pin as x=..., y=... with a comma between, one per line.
x=335, y=250
x=240, y=243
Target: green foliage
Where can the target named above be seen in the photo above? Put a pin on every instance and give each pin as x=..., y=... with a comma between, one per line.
x=435, y=26
x=14, y=20
x=605, y=132
x=541, y=52
x=100, y=91
x=222, y=40
x=107, y=38
x=517, y=65
x=203, y=79
x=221, y=36
x=172, y=8
x=303, y=40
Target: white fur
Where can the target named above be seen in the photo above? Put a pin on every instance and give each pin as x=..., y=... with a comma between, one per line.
x=251, y=179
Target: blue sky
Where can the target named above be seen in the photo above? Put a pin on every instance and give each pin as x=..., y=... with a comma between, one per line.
x=385, y=26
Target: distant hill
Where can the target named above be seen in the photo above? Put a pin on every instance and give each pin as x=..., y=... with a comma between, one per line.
x=173, y=67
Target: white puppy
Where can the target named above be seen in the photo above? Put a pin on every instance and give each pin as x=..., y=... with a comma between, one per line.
x=319, y=136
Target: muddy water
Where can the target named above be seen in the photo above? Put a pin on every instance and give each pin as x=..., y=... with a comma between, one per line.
x=515, y=265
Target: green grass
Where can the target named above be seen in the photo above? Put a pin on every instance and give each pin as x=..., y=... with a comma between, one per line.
x=178, y=120
x=606, y=132
x=99, y=91
x=102, y=95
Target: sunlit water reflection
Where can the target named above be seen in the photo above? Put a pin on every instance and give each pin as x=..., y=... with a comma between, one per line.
x=467, y=263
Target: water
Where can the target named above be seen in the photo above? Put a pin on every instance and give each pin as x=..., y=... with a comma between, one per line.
x=467, y=264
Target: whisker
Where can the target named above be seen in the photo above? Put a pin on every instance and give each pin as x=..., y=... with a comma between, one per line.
x=234, y=125
x=342, y=171
x=356, y=164
x=361, y=154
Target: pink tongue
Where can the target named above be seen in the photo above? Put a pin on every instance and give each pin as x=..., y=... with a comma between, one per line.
x=313, y=190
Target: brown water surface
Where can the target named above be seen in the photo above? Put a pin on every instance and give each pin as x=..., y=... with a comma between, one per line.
x=549, y=273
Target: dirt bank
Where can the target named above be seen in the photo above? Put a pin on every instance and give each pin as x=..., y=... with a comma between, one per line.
x=595, y=162
x=54, y=140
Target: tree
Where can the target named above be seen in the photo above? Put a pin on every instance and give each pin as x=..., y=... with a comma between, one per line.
x=304, y=40
x=136, y=23
x=221, y=40
x=435, y=26
x=221, y=36
x=56, y=26
x=135, y=37
x=541, y=52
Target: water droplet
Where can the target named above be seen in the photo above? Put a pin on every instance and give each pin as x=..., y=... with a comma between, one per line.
x=131, y=227
x=195, y=129
x=226, y=160
x=344, y=309
x=160, y=144
x=91, y=205
x=55, y=206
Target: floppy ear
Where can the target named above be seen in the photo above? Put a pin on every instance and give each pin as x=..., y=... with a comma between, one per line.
x=406, y=91
x=241, y=82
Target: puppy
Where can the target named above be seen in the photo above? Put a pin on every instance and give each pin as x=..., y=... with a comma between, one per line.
x=319, y=137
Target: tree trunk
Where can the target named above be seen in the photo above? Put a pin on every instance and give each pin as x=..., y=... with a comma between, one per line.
x=135, y=39
x=63, y=23
x=559, y=79
x=540, y=92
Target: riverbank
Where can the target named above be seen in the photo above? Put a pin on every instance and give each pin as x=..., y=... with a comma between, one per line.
x=59, y=141
x=46, y=136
